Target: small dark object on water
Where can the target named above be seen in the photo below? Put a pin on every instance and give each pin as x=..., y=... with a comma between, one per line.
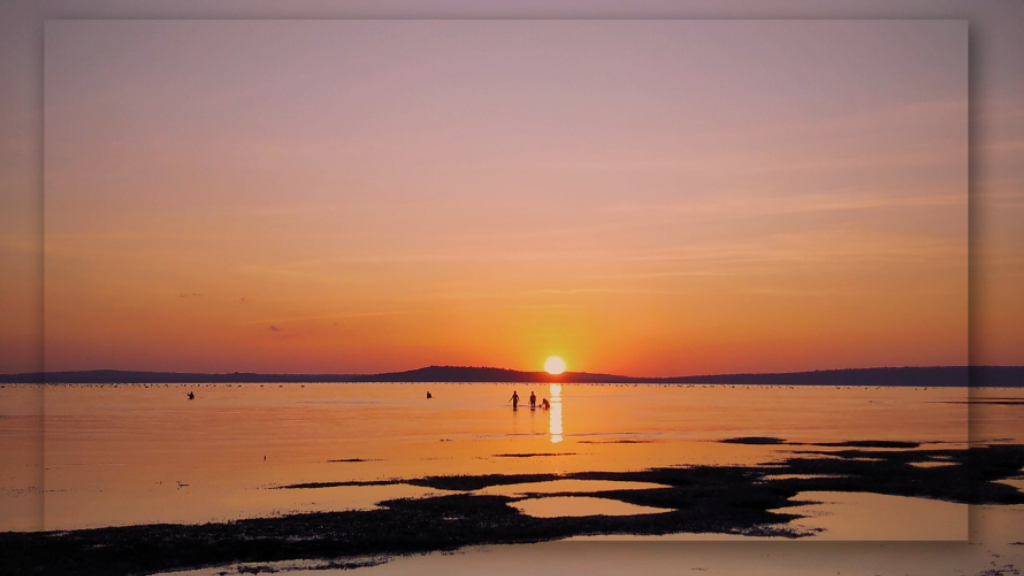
x=428, y=394
x=191, y=396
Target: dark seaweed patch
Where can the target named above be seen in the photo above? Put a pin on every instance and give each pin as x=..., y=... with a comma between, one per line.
x=869, y=444
x=754, y=440
x=771, y=440
x=990, y=401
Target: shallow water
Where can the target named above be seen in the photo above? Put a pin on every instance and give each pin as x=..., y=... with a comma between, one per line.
x=859, y=516
x=568, y=506
x=556, y=486
x=132, y=454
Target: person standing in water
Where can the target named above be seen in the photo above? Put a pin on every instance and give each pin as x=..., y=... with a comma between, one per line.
x=515, y=400
x=533, y=400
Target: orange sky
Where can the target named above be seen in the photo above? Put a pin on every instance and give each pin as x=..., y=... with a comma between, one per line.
x=648, y=198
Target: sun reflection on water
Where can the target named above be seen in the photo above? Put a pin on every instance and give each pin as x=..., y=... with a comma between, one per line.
x=555, y=414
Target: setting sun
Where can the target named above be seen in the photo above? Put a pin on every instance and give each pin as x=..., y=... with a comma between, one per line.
x=554, y=365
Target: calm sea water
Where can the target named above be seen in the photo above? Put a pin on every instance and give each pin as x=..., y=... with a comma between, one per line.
x=131, y=454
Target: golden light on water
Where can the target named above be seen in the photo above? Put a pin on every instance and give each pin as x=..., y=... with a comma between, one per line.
x=555, y=413
x=554, y=365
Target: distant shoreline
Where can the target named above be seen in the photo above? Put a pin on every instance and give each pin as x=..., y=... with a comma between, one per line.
x=935, y=376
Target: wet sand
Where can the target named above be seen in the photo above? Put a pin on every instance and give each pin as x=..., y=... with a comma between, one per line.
x=721, y=500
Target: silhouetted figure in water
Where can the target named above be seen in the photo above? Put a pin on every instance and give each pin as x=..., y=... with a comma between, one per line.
x=191, y=396
x=428, y=395
x=515, y=400
x=533, y=400
x=544, y=404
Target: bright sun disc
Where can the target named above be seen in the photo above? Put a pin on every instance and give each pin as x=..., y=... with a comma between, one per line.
x=554, y=365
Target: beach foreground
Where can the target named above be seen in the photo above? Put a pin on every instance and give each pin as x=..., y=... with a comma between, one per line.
x=141, y=479
x=729, y=500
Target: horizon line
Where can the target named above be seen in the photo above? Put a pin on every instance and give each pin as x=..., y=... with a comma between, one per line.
x=903, y=376
x=495, y=368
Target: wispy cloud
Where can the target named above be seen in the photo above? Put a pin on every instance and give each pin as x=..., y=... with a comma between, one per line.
x=339, y=316
x=743, y=203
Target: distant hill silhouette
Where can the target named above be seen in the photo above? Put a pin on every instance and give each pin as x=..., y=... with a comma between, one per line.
x=979, y=376
x=135, y=377
x=483, y=374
